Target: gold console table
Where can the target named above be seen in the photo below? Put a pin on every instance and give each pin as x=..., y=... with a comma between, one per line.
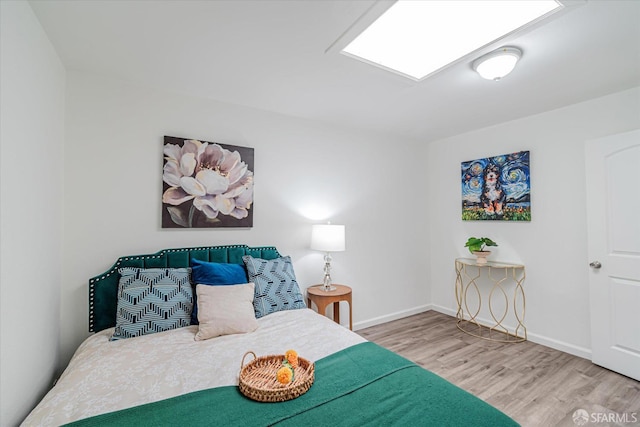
x=469, y=278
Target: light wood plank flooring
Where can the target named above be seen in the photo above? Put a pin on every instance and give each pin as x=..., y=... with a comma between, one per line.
x=533, y=384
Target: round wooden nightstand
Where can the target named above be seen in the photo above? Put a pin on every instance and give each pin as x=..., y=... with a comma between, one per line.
x=323, y=298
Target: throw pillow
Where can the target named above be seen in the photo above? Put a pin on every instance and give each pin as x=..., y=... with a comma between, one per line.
x=276, y=285
x=214, y=273
x=152, y=300
x=225, y=310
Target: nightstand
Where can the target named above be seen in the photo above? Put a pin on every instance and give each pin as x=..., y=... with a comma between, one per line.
x=322, y=299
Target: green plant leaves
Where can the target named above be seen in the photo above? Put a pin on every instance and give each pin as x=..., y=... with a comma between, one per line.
x=477, y=244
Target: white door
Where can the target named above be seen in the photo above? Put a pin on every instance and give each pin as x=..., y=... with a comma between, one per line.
x=613, y=219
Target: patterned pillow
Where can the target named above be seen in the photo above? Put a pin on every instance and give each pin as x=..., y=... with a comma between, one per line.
x=152, y=300
x=276, y=285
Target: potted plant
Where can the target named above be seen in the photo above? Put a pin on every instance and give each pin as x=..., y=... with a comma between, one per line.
x=477, y=246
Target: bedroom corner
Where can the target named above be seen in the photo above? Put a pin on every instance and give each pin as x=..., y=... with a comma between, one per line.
x=32, y=116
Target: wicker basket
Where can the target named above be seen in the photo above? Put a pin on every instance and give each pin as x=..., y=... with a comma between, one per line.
x=258, y=379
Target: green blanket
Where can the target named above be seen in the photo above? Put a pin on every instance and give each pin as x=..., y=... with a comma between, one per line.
x=362, y=385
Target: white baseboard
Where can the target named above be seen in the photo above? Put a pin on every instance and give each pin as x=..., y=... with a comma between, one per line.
x=389, y=317
x=585, y=353
x=444, y=310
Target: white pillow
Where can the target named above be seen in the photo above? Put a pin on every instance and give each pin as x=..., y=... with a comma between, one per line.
x=225, y=310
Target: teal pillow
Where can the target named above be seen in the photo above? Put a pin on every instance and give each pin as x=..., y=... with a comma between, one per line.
x=276, y=288
x=152, y=300
x=215, y=274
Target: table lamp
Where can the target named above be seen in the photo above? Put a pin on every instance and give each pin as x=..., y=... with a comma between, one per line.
x=327, y=238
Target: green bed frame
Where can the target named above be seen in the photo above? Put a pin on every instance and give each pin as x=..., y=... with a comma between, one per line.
x=103, y=288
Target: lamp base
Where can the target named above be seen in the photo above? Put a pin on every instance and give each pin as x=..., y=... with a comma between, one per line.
x=326, y=281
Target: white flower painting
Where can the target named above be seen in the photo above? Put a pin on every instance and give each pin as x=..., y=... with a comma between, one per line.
x=206, y=184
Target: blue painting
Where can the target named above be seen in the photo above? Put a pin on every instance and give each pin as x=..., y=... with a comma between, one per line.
x=497, y=188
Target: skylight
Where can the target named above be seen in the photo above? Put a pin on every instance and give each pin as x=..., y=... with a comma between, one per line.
x=417, y=38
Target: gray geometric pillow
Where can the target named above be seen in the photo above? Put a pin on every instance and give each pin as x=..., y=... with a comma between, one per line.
x=276, y=285
x=152, y=300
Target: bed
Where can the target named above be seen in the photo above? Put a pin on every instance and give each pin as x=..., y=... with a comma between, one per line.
x=174, y=377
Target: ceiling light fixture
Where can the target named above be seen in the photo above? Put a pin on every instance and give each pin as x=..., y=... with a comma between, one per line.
x=419, y=38
x=497, y=64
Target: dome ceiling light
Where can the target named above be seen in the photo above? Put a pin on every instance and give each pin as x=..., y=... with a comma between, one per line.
x=497, y=64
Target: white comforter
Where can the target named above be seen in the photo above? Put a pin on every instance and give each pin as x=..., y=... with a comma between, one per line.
x=105, y=376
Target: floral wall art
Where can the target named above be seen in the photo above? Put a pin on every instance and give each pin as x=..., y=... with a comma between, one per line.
x=497, y=188
x=206, y=184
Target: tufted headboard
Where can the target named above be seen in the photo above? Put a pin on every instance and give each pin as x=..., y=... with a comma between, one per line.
x=103, y=288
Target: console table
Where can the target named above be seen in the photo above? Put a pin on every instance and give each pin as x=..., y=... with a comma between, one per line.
x=502, y=285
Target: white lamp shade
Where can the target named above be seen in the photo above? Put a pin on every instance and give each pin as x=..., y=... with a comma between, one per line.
x=328, y=237
x=497, y=64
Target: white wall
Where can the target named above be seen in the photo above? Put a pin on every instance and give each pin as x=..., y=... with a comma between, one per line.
x=553, y=246
x=32, y=83
x=305, y=173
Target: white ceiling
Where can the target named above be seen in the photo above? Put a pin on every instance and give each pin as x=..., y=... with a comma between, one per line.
x=271, y=55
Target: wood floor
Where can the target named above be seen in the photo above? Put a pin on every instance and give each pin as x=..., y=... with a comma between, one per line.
x=535, y=385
